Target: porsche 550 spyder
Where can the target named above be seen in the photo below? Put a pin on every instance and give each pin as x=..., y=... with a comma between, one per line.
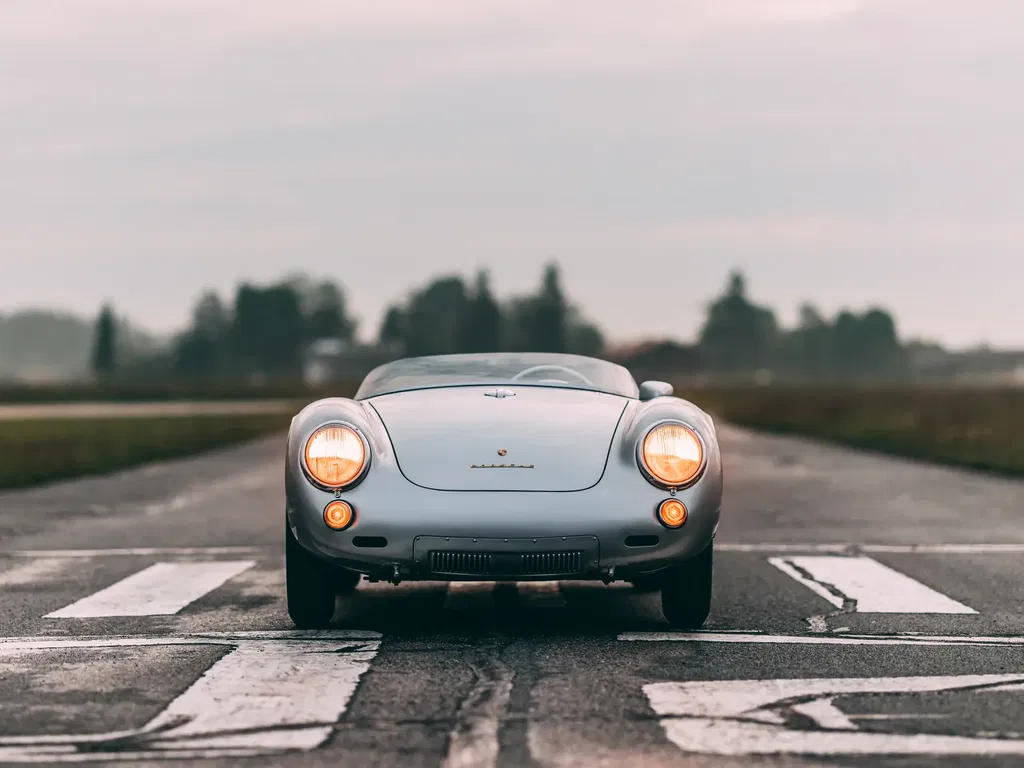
x=502, y=467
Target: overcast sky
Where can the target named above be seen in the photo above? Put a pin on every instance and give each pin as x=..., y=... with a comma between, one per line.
x=849, y=152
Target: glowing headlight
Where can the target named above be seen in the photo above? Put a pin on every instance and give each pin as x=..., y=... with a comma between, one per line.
x=672, y=454
x=335, y=456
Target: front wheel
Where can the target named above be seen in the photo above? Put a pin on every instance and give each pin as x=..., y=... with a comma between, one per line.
x=686, y=591
x=308, y=584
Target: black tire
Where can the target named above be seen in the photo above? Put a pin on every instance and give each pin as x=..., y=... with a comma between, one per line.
x=686, y=591
x=345, y=581
x=308, y=584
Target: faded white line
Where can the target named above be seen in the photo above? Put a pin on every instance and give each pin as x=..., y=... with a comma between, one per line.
x=845, y=639
x=851, y=547
x=267, y=695
x=160, y=590
x=749, y=717
x=245, y=481
x=268, y=685
x=135, y=552
x=32, y=572
x=874, y=587
x=15, y=645
x=70, y=754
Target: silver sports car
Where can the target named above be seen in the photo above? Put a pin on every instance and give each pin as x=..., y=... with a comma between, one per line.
x=502, y=467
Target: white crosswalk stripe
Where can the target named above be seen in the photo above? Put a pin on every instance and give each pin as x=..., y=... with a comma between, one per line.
x=161, y=589
x=186, y=575
x=874, y=588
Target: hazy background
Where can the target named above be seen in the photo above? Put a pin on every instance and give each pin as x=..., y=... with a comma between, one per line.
x=850, y=153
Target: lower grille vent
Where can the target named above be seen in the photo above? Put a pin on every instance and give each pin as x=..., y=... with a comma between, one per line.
x=506, y=563
x=543, y=563
x=465, y=563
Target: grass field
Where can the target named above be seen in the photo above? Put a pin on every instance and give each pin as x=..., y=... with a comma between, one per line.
x=974, y=428
x=41, y=450
x=166, y=391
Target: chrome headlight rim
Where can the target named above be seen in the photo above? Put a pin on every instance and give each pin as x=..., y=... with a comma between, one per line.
x=367, y=457
x=654, y=479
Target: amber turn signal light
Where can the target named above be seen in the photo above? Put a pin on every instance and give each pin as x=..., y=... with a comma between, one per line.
x=338, y=515
x=671, y=513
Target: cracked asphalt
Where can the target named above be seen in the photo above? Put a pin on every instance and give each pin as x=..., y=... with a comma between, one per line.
x=921, y=662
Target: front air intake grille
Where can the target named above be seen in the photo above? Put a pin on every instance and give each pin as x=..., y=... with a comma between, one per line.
x=546, y=563
x=463, y=563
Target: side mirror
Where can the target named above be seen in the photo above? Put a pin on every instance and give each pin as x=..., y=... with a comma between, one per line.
x=652, y=389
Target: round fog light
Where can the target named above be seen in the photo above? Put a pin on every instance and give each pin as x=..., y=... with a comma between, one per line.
x=338, y=515
x=672, y=513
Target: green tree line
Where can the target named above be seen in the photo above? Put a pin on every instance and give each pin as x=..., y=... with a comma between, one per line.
x=266, y=330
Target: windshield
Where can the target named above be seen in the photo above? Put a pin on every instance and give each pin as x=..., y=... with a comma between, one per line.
x=527, y=368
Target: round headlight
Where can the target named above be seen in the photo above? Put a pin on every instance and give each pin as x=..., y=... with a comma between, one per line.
x=673, y=454
x=335, y=456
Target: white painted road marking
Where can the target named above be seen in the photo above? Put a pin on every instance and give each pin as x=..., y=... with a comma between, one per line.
x=896, y=549
x=748, y=717
x=876, y=588
x=34, y=571
x=263, y=685
x=136, y=552
x=273, y=692
x=844, y=639
x=160, y=590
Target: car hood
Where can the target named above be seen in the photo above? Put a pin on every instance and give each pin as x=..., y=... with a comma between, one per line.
x=532, y=439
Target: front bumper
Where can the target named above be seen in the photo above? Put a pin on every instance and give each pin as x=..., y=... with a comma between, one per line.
x=413, y=533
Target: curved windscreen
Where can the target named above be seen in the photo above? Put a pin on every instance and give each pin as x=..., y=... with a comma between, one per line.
x=505, y=368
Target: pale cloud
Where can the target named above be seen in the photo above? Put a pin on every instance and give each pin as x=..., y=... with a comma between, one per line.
x=844, y=151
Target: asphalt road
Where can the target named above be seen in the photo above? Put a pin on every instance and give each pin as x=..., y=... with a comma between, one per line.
x=867, y=611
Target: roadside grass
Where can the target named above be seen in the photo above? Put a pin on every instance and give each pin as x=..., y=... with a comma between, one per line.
x=168, y=391
x=44, y=450
x=976, y=428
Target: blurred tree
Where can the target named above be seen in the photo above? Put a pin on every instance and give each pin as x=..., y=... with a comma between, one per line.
x=268, y=331
x=481, y=329
x=738, y=337
x=392, y=328
x=808, y=348
x=327, y=315
x=582, y=338
x=585, y=339
x=514, y=334
x=202, y=350
x=547, y=322
x=866, y=346
x=104, y=357
x=435, y=318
